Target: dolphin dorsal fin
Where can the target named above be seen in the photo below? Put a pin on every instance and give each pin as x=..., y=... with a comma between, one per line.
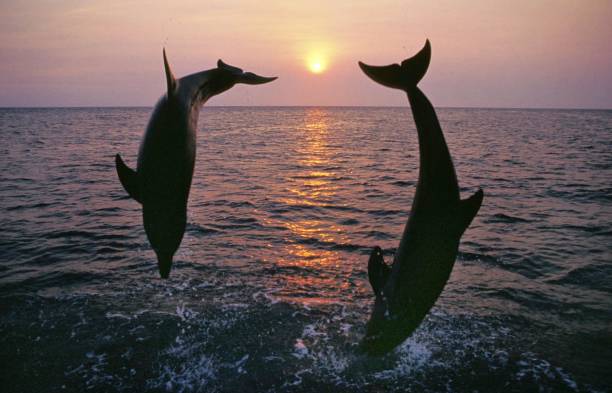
x=468, y=209
x=129, y=179
x=170, y=80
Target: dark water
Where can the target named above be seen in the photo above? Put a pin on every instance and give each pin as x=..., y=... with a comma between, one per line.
x=269, y=289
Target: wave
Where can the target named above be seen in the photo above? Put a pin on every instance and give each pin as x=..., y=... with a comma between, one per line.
x=505, y=218
x=330, y=245
x=39, y=205
x=590, y=277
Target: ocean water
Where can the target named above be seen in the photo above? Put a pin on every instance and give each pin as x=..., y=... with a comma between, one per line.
x=269, y=290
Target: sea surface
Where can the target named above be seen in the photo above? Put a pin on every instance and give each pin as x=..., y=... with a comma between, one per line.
x=269, y=290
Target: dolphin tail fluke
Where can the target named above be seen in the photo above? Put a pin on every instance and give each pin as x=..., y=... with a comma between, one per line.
x=224, y=65
x=378, y=270
x=247, y=78
x=164, y=263
x=128, y=178
x=468, y=209
x=405, y=76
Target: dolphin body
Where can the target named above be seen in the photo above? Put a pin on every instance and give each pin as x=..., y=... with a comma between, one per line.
x=406, y=291
x=167, y=154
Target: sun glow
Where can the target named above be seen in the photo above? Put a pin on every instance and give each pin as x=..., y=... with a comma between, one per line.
x=317, y=55
x=316, y=65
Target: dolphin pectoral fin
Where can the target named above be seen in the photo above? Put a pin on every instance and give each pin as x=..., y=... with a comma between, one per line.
x=468, y=209
x=128, y=178
x=378, y=270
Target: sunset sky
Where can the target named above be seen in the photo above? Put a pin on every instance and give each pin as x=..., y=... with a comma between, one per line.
x=484, y=53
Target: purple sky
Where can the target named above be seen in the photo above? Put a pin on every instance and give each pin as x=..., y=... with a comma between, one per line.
x=485, y=53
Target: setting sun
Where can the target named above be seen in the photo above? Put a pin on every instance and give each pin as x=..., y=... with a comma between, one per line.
x=317, y=55
x=316, y=67
x=316, y=64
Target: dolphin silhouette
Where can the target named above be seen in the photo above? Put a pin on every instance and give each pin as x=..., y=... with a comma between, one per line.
x=406, y=290
x=167, y=154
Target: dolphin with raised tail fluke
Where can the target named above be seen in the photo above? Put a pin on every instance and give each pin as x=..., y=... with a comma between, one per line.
x=407, y=290
x=167, y=154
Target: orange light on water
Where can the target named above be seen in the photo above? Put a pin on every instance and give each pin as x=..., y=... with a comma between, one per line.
x=312, y=185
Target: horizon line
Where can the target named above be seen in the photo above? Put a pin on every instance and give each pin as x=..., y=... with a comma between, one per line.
x=306, y=106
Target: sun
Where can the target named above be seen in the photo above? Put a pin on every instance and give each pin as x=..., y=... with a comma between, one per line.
x=316, y=65
x=316, y=56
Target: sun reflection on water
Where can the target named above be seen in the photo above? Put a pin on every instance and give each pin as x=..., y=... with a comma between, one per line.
x=312, y=186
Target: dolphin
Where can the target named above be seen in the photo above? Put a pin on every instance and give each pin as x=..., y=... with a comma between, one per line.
x=167, y=154
x=406, y=291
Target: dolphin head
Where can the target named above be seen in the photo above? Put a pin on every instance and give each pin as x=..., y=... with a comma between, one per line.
x=199, y=87
x=164, y=217
x=383, y=334
x=164, y=263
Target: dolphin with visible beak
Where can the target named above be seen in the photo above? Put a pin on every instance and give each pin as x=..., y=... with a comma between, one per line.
x=407, y=290
x=167, y=154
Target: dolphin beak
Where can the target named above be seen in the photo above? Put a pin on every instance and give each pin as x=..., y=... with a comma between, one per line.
x=252, y=79
x=164, y=263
